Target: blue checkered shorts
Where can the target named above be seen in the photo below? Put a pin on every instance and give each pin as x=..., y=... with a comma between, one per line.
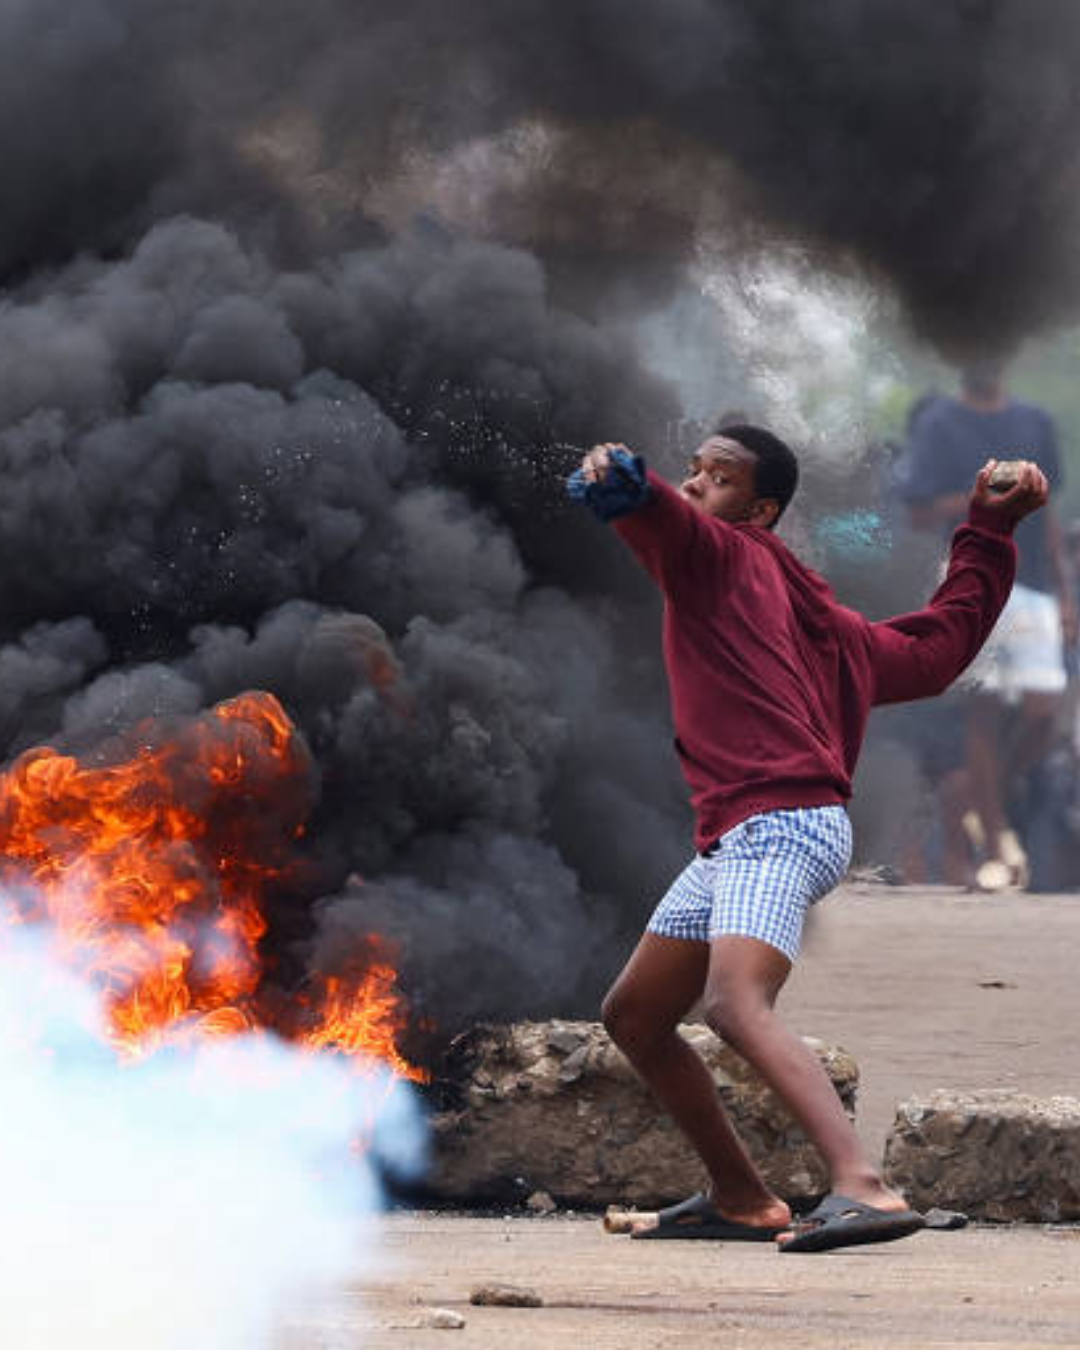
x=759, y=879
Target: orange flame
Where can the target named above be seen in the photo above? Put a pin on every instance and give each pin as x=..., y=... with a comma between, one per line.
x=360, y=1014
x=150, y=872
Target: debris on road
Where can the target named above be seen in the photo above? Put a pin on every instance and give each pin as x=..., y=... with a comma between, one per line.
x=505, y=1296
x=443, y=1319
x=540, y=1202
x=618, y=1220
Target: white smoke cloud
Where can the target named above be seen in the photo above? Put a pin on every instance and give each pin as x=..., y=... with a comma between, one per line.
x=810, y=343
x=186, y=1201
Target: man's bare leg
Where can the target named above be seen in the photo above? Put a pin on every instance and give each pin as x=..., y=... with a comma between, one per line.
x=744, y=979
x=662, y=981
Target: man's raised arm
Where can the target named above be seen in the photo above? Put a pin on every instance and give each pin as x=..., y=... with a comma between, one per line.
x=920, y=654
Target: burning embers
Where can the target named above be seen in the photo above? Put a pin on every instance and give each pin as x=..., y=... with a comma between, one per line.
x=150, y=869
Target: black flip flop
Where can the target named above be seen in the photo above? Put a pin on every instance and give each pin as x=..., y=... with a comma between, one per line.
x=698, y=1217
x=840, y=1222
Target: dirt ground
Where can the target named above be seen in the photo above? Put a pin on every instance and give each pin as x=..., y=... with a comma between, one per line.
x=927, y=988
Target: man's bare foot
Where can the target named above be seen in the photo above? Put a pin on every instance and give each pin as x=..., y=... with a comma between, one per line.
x=870, y=1191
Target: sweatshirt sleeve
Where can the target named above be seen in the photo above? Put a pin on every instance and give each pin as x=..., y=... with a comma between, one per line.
x=921, y=654
x=672, y=540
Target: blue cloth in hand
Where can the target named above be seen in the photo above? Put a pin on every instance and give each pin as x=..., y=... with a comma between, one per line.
x=624, y=489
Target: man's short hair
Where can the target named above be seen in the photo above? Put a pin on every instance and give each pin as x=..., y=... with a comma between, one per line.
x=776, y=473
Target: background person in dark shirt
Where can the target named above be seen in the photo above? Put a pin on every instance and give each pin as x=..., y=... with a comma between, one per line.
x=1020, y=678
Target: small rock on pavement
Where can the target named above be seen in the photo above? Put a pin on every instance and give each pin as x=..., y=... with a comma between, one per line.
x=505, y=1296
x=444, y=1319
x=540, y=1202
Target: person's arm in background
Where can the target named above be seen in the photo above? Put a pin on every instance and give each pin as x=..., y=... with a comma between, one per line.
x=1064, y=588
x=1063, y=582
x=920, y=654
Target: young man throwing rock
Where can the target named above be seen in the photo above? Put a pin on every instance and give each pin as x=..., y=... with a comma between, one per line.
x=771, y=682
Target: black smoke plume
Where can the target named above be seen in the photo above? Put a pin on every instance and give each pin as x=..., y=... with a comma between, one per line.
x=933, y=144
x=306, y=312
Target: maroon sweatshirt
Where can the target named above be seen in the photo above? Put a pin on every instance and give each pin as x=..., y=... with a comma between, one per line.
x=772, y=679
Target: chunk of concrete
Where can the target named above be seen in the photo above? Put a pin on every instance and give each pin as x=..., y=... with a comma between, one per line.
x=998, y=1155
x=554, y=1106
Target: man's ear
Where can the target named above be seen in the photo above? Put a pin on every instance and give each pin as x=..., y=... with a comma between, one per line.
x=765, y=512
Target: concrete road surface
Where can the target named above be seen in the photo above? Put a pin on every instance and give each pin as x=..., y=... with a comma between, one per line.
x=977, y=1288
x=928, y=988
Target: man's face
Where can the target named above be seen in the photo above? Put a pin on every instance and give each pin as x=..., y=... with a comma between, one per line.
x=720, y=483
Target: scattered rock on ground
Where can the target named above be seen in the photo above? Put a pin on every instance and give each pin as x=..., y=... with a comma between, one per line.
x=554, y=1106
x=505, y=1296
x=945, y=1220
x=443, y=1319
x=618, y=1220
x=998, y=1155
x=540, y=1202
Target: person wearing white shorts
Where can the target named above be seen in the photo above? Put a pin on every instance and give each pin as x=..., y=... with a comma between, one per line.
x=1025, y=652
x=1019, y=678
x=1017, y=684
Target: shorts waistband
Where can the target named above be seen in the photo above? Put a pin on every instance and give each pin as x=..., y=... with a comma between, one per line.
x=796, y=812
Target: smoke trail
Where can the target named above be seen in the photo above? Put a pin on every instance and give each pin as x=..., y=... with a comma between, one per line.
x=180, y=1202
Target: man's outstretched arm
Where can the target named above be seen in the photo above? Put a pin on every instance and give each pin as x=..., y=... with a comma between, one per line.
x=664, y=531
x=611, y=481
x=920, y=654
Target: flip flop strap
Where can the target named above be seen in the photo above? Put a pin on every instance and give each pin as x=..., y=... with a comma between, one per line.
x=699, y=1206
